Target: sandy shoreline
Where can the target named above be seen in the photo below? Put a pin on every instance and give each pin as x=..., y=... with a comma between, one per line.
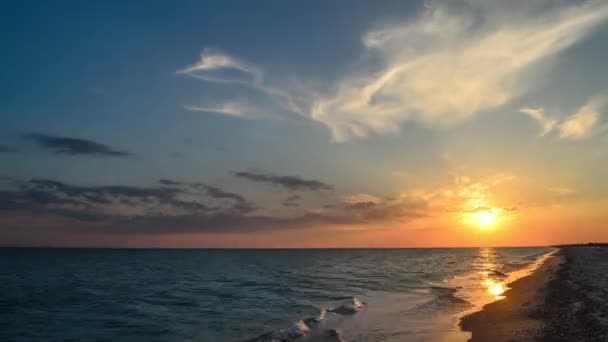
x=565, y=299
x=513, y=318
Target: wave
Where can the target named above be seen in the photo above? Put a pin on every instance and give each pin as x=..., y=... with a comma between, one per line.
x=496, y=274
x=536, y=255
x=349, y=308
x=311, y=327
x=443, y=298
x=447, y=295
x=526, y=260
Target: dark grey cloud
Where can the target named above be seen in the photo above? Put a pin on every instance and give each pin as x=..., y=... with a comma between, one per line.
x=176, y=155
x=48, y=193
x=386, y=209
x=292, y=201
x=76, y=146
x=169, y=182
x=7, y=149
x=176, y=207
x=291, y=183
x=240, y=204
x=101, y=203
x=191, y=207
x=232, y=222
x=478, y=210
x=221, y=194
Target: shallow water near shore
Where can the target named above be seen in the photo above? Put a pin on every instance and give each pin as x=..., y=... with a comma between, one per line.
x=236, y=295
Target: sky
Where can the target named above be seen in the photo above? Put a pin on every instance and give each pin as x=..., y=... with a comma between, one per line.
x=273, y=124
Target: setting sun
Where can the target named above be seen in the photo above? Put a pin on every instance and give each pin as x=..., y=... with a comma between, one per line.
x=427, y=170
x=485, y=218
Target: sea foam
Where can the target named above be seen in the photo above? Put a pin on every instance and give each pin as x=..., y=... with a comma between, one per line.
x=311, y=327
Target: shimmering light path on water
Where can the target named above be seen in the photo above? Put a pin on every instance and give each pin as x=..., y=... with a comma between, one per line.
x=230, y=295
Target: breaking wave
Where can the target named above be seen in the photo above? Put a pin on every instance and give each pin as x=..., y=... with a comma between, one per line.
x=312, y=328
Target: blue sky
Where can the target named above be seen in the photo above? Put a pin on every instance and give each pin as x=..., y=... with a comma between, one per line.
x=389, y=104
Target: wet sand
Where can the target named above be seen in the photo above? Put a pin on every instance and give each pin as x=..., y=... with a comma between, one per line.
x=515, y=318
x=564, y=300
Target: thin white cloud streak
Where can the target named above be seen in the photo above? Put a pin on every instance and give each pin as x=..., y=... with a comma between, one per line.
x=579, y=124
x=439, y=68
x=213, y=61
x=234, y=109
x=215, y=66
x=538, y=114
x=576, y=126
x=445, y=67
x=361, y=198
x=562, y=191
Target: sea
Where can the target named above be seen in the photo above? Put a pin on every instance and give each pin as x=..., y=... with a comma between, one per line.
x=251, y=295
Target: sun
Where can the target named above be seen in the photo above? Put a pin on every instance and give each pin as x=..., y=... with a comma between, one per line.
x=484, y=218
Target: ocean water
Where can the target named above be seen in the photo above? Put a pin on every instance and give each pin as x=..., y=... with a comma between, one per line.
x=238, y=295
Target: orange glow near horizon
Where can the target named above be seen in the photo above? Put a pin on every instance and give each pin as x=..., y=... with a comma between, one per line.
x=471, y=213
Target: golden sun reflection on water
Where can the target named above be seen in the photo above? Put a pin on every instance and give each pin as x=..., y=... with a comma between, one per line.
x=495, y=288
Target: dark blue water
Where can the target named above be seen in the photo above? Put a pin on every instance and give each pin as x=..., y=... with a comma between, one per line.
x=231, y=295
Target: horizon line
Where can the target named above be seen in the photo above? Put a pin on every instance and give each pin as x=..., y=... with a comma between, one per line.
x=278, y=248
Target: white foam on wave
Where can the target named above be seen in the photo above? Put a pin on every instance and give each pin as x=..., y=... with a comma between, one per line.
x=351, y=307
x=309, y=327
x=298, y=329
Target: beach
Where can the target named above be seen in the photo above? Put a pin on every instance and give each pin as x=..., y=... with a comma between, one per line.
x=563, y=300
x=305, y=295
x=388, y=295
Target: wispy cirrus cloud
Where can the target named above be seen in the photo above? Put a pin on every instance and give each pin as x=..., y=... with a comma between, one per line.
x=448, y=65
x=218, y=67
x=76, y=146
x=215, y=66
x=538, y=114
x=445, y=65
x=576, y=126
x=236, y=109
x=562, y=191
x=291, y=183
x=579, y=124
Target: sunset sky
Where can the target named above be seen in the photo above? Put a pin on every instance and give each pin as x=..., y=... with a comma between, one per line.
x=304, y=124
